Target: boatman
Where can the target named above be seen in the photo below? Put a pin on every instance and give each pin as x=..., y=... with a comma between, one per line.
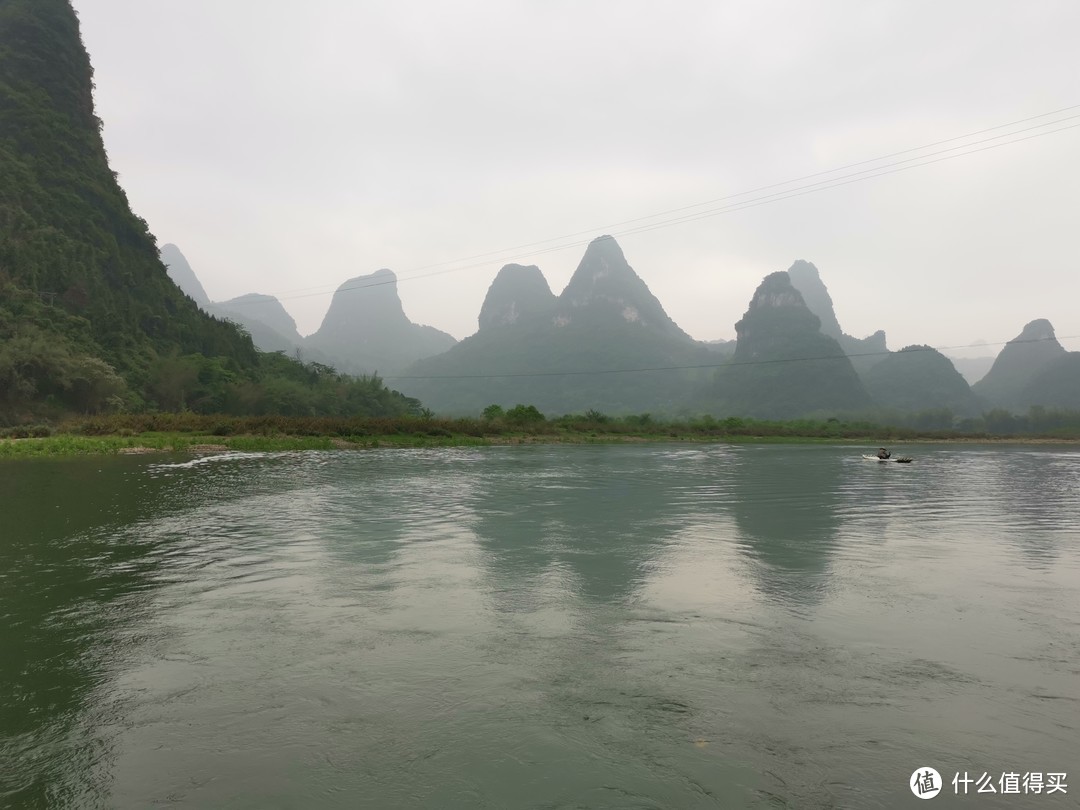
x=883, y=453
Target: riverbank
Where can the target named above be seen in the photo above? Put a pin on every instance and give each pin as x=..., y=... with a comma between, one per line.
x=68, y=444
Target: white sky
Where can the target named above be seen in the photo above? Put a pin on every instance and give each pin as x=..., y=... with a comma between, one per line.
x=287, y=147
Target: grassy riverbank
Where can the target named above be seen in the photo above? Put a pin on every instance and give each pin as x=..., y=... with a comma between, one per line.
x=186, y=432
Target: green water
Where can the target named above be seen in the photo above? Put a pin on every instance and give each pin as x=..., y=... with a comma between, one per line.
x=648, y=626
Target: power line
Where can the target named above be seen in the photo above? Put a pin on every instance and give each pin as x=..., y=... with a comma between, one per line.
x=778, y=185
x=821, y=185
x=835, y=183
x=731, y=364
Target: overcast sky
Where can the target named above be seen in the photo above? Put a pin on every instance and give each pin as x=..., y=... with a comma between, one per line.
x=286, y=147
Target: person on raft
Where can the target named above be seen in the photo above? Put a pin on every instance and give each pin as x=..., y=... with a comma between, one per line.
x=883, y=453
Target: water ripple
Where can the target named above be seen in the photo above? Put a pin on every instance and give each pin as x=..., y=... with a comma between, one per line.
x=601, y=626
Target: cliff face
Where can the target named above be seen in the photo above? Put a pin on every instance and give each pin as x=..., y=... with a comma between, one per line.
x=1008, y=384
x=864, y=352
x=605, y=289
x=806, y=279
x=784, y=366
x=79, y=270
x=777, y=317
x=365, y=330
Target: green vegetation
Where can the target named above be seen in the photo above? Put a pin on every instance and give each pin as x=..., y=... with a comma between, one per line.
x=178, y=432
x=89, y=320
x=919, y=377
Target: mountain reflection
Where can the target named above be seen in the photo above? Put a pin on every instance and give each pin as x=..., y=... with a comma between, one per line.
x=83, y=557
x=785, y=504
x=1038, y=491
x=598, y=521
x=71, y=580
x=604, y=520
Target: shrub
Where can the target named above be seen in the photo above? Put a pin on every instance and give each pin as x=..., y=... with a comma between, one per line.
x=524, y=414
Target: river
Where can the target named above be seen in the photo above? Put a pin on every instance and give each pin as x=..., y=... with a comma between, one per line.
x=595, y=626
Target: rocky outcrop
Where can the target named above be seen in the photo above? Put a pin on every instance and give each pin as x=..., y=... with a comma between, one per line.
x=806, y=279
x=784, y=366
x=777, y=315
x=605, y=288
x=864, y=352
x=518, y=295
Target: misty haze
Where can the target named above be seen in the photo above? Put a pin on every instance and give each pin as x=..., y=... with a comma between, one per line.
x=512, y=405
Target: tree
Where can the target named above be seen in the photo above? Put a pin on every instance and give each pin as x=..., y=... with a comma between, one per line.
x=524, y=414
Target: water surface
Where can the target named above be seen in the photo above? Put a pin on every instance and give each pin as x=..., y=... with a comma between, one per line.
x=634, y=626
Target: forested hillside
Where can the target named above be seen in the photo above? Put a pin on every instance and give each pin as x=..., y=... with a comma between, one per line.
x=89, y=319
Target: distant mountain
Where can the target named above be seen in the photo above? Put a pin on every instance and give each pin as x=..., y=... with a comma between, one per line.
x=1011, y=382
x=721, y=346
x=864, y=352
x=182, y=275
x=265, y=319
x=807, y=280
x=606, y=289
x=582, y=350
x=784, y=366
x=1057, y=384
x=365, y=330
x=972, y=368
x=518, y=296
x=919, y=378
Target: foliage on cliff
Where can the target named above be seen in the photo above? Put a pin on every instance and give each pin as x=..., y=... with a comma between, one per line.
x=89, y=319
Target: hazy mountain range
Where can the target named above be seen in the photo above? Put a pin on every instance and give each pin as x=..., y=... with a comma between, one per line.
x=606, y=343
x=91, y=320
x=365, y=330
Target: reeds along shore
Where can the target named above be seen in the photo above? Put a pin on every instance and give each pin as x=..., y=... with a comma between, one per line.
x=178, y=432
